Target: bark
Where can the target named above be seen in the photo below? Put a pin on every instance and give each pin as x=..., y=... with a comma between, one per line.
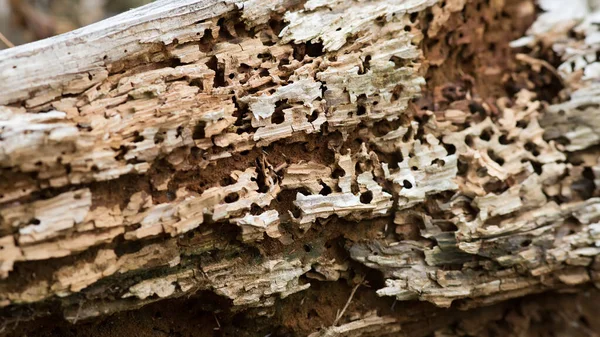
x=251, y=152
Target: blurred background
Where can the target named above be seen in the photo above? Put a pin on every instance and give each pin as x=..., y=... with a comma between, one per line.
x=23, y=21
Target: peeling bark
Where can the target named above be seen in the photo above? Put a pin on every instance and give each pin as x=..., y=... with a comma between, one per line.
x=255, y=150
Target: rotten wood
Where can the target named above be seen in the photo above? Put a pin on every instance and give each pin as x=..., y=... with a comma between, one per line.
x=191, y=146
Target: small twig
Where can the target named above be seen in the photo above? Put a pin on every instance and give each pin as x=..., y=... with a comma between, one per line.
x=78, y=312
x=17, y=321
x=217, y=320
x=341, y=313
x=281, y=167
x=6, y=41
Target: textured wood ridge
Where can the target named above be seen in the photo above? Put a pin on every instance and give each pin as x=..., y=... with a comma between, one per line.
x=250, y=149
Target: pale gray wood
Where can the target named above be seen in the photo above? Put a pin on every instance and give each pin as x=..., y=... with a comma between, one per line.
x=52, y=62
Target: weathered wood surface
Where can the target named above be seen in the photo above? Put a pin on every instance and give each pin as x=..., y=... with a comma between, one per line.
x=199, y=145
x=61, y=65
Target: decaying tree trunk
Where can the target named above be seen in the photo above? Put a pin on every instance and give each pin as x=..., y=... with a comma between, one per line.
x=325, y=167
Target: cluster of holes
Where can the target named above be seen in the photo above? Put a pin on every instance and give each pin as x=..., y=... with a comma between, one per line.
x=137, y=138
x=242, y=122
x=438, y=162
x=307, y=49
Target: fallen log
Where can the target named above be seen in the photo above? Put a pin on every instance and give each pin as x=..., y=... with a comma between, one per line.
x=252, y=150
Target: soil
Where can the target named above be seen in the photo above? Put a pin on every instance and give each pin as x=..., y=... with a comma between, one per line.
x=549, y=314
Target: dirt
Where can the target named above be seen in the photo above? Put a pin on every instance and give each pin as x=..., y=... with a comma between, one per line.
x=550, y=314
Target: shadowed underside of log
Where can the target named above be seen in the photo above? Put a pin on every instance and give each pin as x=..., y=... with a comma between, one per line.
x=249, y=153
